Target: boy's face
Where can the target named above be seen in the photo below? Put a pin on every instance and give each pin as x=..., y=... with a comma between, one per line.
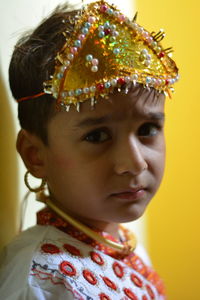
x=104, y=165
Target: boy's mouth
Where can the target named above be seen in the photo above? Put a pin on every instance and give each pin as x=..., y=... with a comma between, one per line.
x=130, y=194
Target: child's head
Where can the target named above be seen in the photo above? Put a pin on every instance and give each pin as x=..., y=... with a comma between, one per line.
x=102, y=164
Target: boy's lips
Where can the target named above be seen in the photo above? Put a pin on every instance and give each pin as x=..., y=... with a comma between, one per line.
x=130, y=193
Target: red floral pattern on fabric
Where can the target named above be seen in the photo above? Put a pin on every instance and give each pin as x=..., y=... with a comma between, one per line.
x=130, y=294
x=150, y=291
x=50, y=248
x=48, y=217
x=96, y=257
x=71, y=249
x=136, y=280
x=103, y=296
x=144, y=297
x=118, y=269
x=109, y=283
x=90, y=277
x=67, y=268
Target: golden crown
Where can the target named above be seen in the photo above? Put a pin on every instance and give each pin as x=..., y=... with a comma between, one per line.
x=106, y=51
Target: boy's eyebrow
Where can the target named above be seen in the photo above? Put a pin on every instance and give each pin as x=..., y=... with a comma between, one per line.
x=109, y=118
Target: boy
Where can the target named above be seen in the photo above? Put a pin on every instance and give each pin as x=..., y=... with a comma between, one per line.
x=95, y=138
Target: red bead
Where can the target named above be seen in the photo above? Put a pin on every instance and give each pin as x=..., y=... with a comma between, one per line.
x=50, y=248
x=161, y=54
x=136, y=280
x=121, y=81
x=167, y=81
x=103, y=296
x=150, y=292
x=67, y=268
x=130, y=294
x=100, y=86
x=118, y=269
x=107, y=31
x=109, y=283
x=103, y=8
x=71, y=249
x=96, y=258
x=89, y=276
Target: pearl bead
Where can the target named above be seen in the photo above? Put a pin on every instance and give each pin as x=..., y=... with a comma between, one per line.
x=84, y=30
x=127, y=79
x=116, y=51
x=135, y=26
x=74, y=50
x=78, y=92
x=70, y=56
x=110, y=11
x=144, y=51
x=106, y=25
x=140, y=30
x=148, y=79
x=134, y=77
x=148, y=57
x=86, y=90
x=59, y=75
x=101, y=34
x=67, y=63
x=116, y=13
x=107, y=85
x=93, y=89
x=121, y=18
x=95, y=61
x=71, y=93
x=113, y=27
x=89, y=57
x=115, y=33
x=114, y=82
x=62, y=69
x=87, y=25
x=77, y=43
x=81, y=37
x=94, y=69
x=91, y=19
x=100, y=28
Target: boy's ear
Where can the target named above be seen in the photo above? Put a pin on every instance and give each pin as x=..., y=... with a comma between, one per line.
x=31, y=149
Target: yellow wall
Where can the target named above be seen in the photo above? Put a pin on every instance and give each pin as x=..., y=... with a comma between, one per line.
x=8, y=171
x=173, y=218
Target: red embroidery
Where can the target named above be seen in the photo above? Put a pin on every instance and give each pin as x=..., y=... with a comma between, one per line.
x=89, y=276
x=118, y=269
x=109, y=283
x=136, y=280
x=144, y=297
x=50, y=248
x=103, y=296
x=67, y=268
x=130, y=294
x=150, y=291
x=71, y=249
x=96, y=258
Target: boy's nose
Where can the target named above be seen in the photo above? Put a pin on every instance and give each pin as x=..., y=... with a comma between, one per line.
x=130, y=158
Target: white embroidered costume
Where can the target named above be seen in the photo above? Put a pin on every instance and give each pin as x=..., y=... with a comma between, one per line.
x=45, y=263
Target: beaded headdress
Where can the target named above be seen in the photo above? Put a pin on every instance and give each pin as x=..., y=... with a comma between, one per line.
x=106, y=51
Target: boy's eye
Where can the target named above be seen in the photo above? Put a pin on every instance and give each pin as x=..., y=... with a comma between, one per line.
x=149, y=130
x=97, y=136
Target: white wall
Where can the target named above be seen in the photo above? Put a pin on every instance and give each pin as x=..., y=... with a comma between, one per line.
x=18, y=16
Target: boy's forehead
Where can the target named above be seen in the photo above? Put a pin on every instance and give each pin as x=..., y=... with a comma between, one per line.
x=117, y=108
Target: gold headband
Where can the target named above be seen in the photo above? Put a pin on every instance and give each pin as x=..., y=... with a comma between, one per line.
x=107, y=51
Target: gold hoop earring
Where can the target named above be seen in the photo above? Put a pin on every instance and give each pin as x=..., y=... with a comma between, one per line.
x=37, y=189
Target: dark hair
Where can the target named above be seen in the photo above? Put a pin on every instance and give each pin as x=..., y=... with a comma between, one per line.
x=32, y=63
